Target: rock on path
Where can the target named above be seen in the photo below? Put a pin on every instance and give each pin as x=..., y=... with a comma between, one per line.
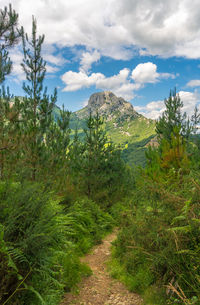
x=100, y=288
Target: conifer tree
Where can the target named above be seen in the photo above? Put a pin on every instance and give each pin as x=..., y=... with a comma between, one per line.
x=101, y=170
x=75, y=164
x=171, y=118
x=173, y=129
x=37, y=105
x=57, y=141
x=9, y=131
x=95, y=141
x=195, y=119
x=9, y=36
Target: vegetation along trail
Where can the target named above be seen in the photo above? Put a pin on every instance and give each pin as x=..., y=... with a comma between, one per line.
x=100, y=288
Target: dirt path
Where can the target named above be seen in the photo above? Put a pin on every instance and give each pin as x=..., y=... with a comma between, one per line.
x=100, y=288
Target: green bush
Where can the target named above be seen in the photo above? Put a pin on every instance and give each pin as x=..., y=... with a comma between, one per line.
x=40, y=241
x=159, y=240
x=37, y=252
x=90, y=224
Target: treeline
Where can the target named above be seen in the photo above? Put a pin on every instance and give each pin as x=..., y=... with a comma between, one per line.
x=157, y=250
x=55, y=193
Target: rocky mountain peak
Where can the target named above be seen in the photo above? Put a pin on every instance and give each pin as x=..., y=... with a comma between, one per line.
x=100, y=98
x=109, y=106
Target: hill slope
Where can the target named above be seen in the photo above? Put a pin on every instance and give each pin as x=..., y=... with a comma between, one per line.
x=122, y=123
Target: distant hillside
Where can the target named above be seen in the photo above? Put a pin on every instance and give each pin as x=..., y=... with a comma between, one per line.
x=122, y=123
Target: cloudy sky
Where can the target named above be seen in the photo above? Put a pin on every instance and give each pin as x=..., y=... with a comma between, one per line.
x=138, y=49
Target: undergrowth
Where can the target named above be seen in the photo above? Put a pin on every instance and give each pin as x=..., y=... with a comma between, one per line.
x=157, y=250
x=41, y=241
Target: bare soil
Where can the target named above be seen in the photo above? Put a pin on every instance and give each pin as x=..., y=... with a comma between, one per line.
x=100, y=288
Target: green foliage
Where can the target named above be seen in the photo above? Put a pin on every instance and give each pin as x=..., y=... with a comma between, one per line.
x=9, y=132
x=133, y=137
x=158, y=246
x=9, y=36
x=195, y=119
x=37, y=106
x=32, y=145
x=97, y=168
x=170, y=158
x=90, y=223
x=40, y=243
x=35, y=236
x=135, y=153
x=172, y=119
x=57, y=140
x=131, y=134
x=8, y=271
x=46, y=219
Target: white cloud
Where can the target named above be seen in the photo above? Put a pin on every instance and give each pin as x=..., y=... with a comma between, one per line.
x=78, y=80
x=84, y=103
x=122, y=84
x=147, y=73
x=114, y=27
x=125, y=90
x=190, y=100
x=54, y=61
x=57, y=60
x=114, y=81
x=154, y=110
x=51, y=69
x=119, y=83
x=159, y=105
x=193, y=83
x=16, y=57
x=87, y=59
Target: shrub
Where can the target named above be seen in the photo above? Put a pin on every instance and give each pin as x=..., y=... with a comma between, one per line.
x=159, y=240
x=37, y=252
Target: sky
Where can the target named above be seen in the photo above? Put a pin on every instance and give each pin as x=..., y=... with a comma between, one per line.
x=138, y=49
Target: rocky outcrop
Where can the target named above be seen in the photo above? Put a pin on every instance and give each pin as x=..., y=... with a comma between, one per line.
x=109, y=106
x=153, y=142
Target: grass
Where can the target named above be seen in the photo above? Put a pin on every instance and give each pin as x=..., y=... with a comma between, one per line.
x=151, y=295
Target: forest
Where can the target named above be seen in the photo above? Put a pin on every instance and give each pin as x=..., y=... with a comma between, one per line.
x=60, y=195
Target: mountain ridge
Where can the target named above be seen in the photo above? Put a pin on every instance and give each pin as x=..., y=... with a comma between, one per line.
x=109, y=106
x=127, y=128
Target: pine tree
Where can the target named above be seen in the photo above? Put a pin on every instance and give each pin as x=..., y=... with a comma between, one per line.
x=174, y=154
x=173, y=130
x=9, y=36
x=100, y=168
x=172, y=118
x=75, y=165
x=57, y=141
x=9, y=131
x=195, y=119
x=37, y=105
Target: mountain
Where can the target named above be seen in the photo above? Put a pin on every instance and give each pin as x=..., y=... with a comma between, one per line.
x=122, y=123
x=109, y=106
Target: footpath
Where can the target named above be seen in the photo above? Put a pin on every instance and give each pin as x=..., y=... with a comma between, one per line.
x=100, y=288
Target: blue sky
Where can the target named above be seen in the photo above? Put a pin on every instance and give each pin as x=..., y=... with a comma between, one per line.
x=138, y=49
